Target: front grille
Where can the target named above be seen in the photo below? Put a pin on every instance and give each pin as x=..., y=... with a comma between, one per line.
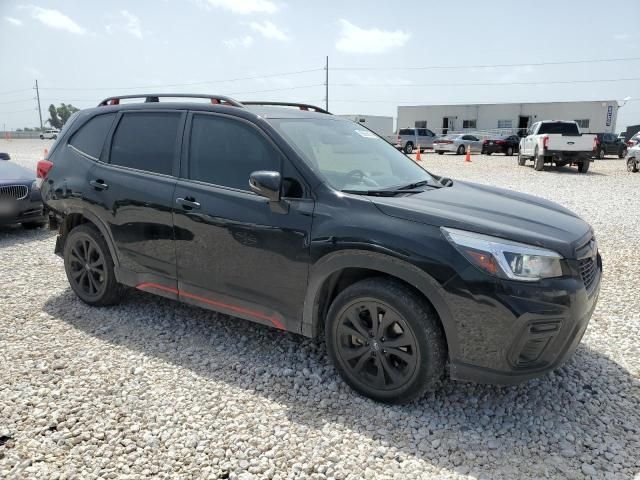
x=13, y=192
x=589, y=272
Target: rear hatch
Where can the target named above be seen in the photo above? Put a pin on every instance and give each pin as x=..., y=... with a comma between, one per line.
x=566, y=137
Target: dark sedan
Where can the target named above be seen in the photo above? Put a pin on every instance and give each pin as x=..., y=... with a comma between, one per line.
x=20, y=200
x=507, y=144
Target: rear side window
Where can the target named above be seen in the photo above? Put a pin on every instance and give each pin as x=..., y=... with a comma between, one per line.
x=146, y=141
x=91, y=136
x=223, y=151
x=406, y=131
x=561, y=128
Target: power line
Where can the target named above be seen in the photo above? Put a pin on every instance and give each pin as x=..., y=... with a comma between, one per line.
x=205, y=82
x=17, y=101
x=15, y=91
x=531, y=64
x=482, y=84
x=19, y=111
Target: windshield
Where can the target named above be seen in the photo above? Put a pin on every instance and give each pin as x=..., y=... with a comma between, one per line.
x=348, y=156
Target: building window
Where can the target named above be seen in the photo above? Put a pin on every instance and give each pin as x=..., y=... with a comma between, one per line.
x=583, y=123
x=505, y=124
x=469, y=124
x=420, y=124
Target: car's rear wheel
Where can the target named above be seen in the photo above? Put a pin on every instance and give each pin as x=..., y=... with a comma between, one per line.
x=521, y=160
x=583, y=167
x=601, y=154
x=510, y=151
x=487, y=153
x=538, y=160
x=632, y=166
x=408, y=148
x=461, y=150
x=622, y=153
x=385, y=340
x=89, y=267
x=440, y=152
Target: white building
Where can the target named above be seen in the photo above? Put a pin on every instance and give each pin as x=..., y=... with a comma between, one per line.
x=592, y=117
x=379, y=124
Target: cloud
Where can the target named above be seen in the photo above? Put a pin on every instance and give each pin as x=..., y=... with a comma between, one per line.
x=14, y=21
x=245, y=7
x=354, y=39
x=269, y=30
x=244, y=42
x=132, y=24
x=55, y=19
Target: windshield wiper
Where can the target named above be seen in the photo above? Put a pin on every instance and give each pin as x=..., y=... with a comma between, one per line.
x=382, y=193
x=421, y=183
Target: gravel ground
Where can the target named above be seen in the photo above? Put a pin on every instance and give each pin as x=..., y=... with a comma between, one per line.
x=152, y=388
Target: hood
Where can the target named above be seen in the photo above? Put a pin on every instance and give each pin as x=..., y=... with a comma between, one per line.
x=493, y=211
x=11, y=172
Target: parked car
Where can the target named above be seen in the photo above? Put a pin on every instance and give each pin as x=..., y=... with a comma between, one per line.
x=557, y=141
x=633, y=159
x=5, y=156
x=408, y=139
x=50, y=134
x=609, y=144
x=457, y=143
x=507, y=144
x=20, y=200
x=633, y=141
x=318, y=227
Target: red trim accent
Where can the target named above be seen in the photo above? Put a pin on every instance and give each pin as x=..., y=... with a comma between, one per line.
x=234, y=308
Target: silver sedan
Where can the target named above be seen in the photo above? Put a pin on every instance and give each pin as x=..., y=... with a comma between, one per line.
x=457, y=143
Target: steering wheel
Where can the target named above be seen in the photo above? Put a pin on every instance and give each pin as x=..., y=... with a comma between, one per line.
x=360, y=177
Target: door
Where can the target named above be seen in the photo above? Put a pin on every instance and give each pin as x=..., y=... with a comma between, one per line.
x=237, y=253
x=132, y=192
x=523, y=124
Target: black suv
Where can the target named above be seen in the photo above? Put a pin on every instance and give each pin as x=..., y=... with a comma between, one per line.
x=609, y=144
x=310, y=223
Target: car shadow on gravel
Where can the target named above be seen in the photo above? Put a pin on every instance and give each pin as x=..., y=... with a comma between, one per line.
x=570, y=170
x=15, y=234
x=585, y=413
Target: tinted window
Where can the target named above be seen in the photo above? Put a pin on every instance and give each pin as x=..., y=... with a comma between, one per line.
x=225, y=152
x=91, y=136
x=562, y=128
x=146, y=141
x=406, y=131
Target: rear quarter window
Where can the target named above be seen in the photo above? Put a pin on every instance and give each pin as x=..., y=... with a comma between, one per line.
x=90, y=138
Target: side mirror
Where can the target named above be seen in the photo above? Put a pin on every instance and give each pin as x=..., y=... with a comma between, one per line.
x=266, y=184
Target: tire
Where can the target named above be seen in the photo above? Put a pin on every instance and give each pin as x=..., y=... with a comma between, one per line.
x=440, y=152
x=521, y=160
x=41, y=137
x=538, y=161
x=377, y=364
x=34, y=225
x=461, y=150
x=408, y=148
x=601, y=154
x=622, y=153
x=510, y=151
x=487, y=153
x=632, y=166
x=583, y=167
x=89, y=267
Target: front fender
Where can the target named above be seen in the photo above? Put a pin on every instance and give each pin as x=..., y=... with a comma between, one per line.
x=387, y=264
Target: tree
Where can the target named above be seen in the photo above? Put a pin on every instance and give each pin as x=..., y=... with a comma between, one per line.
x=58, y=116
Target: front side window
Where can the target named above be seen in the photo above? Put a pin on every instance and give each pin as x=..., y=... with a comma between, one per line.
x=146, y=141
x=349, y=157
x=224, y=151
x=90, y=138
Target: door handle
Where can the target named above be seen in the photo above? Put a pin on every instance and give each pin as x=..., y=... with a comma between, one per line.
x=98, y=184
x=188, y=203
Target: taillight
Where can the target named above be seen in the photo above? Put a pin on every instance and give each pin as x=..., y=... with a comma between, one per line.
x=499, y=142
x=484, y=142
x=595, y=143
x=545, y=143
x=42, y=170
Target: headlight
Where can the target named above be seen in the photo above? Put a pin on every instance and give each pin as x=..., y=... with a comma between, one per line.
x=504, y=258
x=35, y=185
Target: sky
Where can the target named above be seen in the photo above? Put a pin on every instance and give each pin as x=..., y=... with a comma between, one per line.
x=381, y=54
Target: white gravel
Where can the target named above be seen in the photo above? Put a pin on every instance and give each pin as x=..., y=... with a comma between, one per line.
x=152, y=388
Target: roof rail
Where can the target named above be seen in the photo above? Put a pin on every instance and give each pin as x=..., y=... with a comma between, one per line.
x=301, y=106
x=155, y=97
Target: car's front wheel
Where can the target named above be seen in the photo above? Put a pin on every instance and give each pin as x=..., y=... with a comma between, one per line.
x=601, y=153
x=385, y=340
x=622, y=153
x=89, y=267
x=408, y=148
x=509, y=151
x=632, y=166
x=583, y=167
x=521, y=160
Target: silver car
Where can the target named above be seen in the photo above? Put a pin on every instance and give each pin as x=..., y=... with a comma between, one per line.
x=633, y=159
x=457, y=143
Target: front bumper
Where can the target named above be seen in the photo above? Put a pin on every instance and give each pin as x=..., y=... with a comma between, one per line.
x=26, y=210
x=509, y=332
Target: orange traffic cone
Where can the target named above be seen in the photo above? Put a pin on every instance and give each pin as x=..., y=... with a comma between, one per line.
x=46, y=152
x=467, y=158
x=418, y=156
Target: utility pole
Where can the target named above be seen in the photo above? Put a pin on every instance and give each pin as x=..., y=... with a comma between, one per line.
x=326, y=85
x=39, y=109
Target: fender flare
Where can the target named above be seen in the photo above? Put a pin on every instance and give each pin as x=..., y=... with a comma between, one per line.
x=104, y=231
x=390, y=265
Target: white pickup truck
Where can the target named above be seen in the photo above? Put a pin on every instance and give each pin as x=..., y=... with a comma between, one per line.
x=559, y=142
